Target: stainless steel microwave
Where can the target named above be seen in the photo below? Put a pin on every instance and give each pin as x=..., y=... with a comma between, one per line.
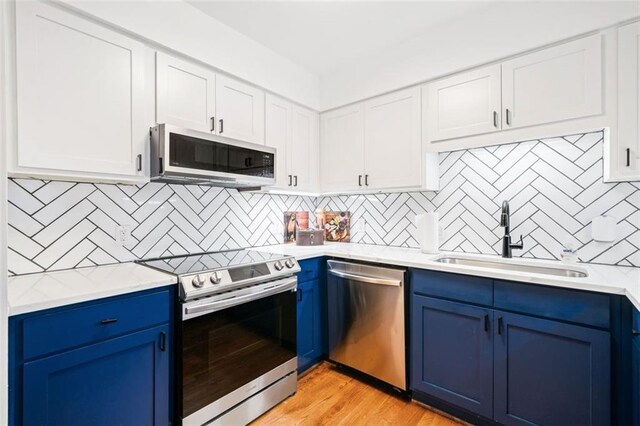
x=187, y=156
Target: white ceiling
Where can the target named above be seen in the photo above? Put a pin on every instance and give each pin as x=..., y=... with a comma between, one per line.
x=324, y=35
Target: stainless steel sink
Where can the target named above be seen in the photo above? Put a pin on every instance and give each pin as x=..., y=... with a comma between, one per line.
x=508, y=266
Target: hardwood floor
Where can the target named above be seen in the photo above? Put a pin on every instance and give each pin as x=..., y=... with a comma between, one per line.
x=326, y=396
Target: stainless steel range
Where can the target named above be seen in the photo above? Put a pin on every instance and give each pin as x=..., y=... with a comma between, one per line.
x=236, y=343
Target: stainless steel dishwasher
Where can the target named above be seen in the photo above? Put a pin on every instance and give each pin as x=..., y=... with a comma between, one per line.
x=366, y=319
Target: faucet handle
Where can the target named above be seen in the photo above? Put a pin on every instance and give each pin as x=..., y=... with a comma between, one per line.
x=519, y=245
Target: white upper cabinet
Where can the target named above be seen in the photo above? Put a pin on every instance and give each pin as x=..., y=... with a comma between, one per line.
x=624, y=161
x=186, y=94
x=278, y=130
x=464, y=104
x=342, y=149
x=392, y=154
x=80, y=98
x=240, y=109
x=294, y=132
x=559, y=83
x=303, y=149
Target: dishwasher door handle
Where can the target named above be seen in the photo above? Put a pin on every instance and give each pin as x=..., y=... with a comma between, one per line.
x=366, y=279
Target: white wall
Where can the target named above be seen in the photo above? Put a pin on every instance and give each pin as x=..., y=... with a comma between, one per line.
x=4, y=352
x=497, y=31
x=181, y=27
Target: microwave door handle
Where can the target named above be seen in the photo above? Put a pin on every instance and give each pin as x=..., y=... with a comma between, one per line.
x=218, y=305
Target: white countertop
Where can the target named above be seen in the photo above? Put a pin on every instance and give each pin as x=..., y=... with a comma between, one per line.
x=601, y=278
x=34, y=292
x=29, y=293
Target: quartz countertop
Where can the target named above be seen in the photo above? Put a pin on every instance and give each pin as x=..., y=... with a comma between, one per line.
x=34, y=292
x=601, y=278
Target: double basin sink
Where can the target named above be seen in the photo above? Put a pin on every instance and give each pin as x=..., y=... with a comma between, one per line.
x=557, y=271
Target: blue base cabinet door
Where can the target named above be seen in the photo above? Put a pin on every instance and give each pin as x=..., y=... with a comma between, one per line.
x=635, y=379
x=121, y=381
x=550, y=373
x=452, y=353
x=635, y=368
x=309, y=327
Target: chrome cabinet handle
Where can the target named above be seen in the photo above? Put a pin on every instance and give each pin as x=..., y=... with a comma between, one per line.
x=221, y=125
x=290, y=181
x=359, y=180
x=213, y=124
x=628, y=157
x=139, y=162
x=366, y=180
x=295, y=180
x=508, y=117
x=108, y=321
x=495, y=119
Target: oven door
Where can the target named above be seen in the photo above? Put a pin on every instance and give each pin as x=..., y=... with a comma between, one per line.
x=232, y=348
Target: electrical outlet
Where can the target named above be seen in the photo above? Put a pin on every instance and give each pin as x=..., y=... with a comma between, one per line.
x=122, y=235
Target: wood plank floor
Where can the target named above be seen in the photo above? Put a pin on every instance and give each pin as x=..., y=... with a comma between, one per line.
x=327, y=396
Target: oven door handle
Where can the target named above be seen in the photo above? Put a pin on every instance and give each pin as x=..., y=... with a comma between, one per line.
x=196, y=309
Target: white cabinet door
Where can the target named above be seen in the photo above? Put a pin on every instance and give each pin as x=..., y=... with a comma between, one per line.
x=240, y=109
x=303, y=149
x=554, y=84
x=80, y=97
x=185, y=94
x=342, y=149
x=392, y=134
x=278, y=135
x=625, y=156
x=463, y=105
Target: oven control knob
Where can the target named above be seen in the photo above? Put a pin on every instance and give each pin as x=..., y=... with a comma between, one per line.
x=289, y=263
x=197, y=281
x=215, y=278
x=278, y=265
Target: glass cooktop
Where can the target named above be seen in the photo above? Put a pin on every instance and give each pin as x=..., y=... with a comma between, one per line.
x=195, y=263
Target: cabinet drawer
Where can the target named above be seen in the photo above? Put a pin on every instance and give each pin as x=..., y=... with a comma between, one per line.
x=310, y=269
x=86, y=324
x=465, y=288
x=555, y=303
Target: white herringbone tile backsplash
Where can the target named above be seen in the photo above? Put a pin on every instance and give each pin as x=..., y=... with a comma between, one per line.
x=60, y=225
x=554, y=186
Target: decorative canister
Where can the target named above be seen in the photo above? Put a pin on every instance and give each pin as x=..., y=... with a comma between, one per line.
x=310, y=237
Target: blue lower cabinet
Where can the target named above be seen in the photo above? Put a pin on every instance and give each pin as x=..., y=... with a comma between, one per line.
x=104, y=362
x=550, y=373
x=635, y=368
x=309, y=330
x=452, y=353
x=635, y=377
x=119, y=381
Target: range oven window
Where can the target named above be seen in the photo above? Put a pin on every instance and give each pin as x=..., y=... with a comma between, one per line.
x=201, y=154
x=227, y=349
